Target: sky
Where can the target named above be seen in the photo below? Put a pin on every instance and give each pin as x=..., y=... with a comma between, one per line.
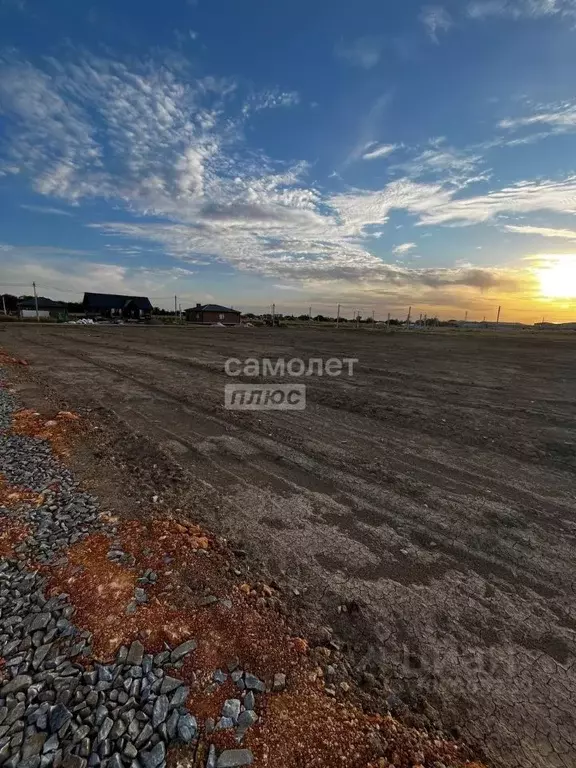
x=380, y=154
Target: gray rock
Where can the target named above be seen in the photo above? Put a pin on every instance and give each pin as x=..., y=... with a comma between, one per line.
x=172, y=724
x=29, y=762
x=224, y=723
x=187, y=727
x=130, y=750
x=161, y=658
x=253, y=683
x=181, y=650
x=235, y=758
x=41, y=620
x=247, y=718
x=155, y=757
x=160, y=712
x=135, y=654
x=105, y=729
x=57, y=717
x=118, y=729
x=211, y=762
x=144, y=736
x=73, y=761
x=115, y=761
x=249, y=700
x=33, y=745
x=233, y=664
x=219, y=676
x=51, y=743
x=179, y=697
x=231, y=709
x=279, y=682
x=169, y=684
x=40, y=654
x=140, y=595
x=19, y=683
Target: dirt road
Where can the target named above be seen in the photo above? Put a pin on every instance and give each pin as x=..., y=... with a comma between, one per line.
x=433, y=493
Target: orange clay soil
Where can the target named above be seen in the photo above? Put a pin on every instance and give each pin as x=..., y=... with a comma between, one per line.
x=6, y=359
x=58, y=430
x=12, y=532
x=302, y=727
x=12, y=496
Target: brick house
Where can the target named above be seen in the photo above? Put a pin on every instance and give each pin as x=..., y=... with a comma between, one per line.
x=208, y=314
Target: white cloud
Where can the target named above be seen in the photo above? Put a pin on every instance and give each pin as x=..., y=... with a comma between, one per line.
x=565, y=234
x=523, y=197
x=377, y=151
x=481, y=9
x=403, y=248
x=436, y=19
x=459, y=166
x=559, y=118
x=46, y=210
x=363, y=52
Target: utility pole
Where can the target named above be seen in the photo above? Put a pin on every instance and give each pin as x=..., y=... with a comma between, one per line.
x=425, y=322
x=273, y=314
x=175, y=306
x=310, y=314
x=466, y=317
x=408, y=318
x=36, y=303
x=388, y=322
x=358, y=319
x=338, y=317
x=373, y=321
x=498, y=317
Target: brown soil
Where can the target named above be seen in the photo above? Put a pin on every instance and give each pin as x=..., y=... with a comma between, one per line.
x=419, y=516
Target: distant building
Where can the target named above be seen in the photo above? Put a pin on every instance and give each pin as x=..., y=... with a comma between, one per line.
x=46, y=308
x=117, y=305
x=208, y=314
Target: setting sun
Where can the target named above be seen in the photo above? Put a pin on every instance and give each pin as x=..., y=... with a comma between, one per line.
x=558, y=276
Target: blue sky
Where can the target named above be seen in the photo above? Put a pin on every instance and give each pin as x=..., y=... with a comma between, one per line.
x=377, y=154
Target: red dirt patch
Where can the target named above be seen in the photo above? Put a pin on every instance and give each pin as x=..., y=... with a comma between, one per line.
x=299, y=728
x=12, y=532
x=57, y=430
x=6, y=359
x=13, y=495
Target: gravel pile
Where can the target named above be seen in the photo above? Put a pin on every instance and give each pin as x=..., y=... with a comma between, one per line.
x=57, y=706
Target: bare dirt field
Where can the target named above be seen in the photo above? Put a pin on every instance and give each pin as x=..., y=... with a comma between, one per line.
x=424, y=508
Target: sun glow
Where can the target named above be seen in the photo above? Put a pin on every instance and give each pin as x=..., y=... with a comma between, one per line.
x=557, y=276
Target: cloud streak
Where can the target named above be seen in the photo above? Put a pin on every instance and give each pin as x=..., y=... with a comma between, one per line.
x=378, y=151
x=517, y=9
x=46, y=210
x=435, y=19
x=364, y=52
x=563, y=234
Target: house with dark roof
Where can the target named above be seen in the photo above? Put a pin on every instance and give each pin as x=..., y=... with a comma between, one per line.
x=117, y=305
x=46, y=308
x=208, y=314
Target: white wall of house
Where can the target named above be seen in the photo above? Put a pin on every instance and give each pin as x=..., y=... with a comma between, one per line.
x=24, y=313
